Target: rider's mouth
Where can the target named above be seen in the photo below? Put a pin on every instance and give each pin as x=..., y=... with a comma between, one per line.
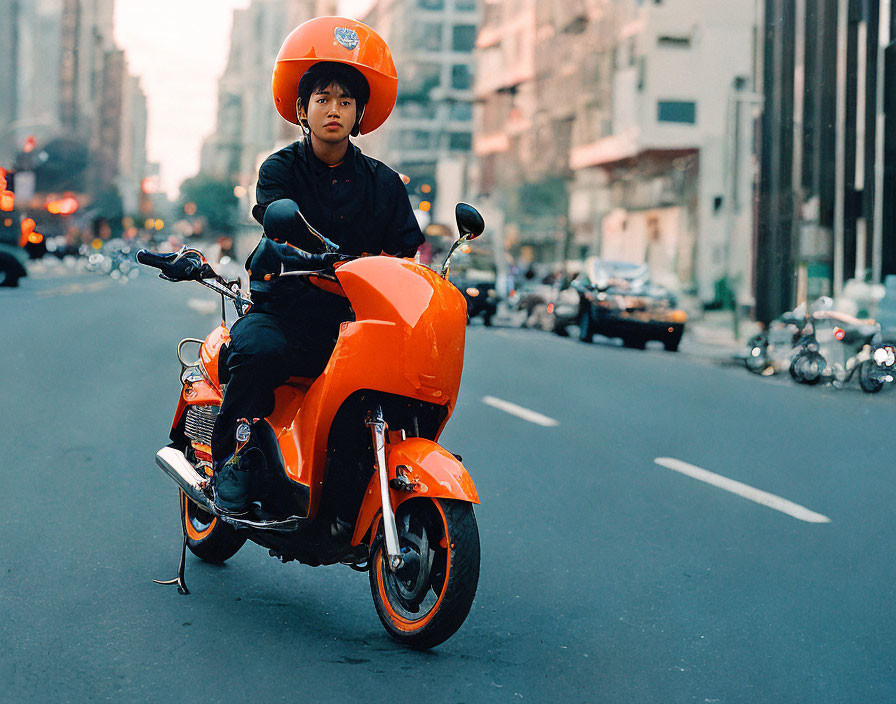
x=333, y=124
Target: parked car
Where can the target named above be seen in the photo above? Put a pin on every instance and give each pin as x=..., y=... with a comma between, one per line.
x=12, y=256
x=617, y=299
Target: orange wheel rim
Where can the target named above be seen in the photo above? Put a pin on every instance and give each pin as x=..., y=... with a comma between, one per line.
x=194, y=532
x=400, y=622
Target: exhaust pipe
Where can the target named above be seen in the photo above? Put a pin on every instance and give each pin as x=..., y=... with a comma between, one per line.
x=175, y=465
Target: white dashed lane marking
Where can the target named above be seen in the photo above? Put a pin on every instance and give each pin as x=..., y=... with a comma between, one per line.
x=748, y=492
x=520, y=412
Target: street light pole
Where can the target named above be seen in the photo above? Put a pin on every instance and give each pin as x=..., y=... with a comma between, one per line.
x=840, y=145
x=878, y=231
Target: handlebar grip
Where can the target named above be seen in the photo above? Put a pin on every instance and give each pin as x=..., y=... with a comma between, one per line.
x=144, y=256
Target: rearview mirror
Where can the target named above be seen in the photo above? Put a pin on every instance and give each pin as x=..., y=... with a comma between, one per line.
x=469, y=222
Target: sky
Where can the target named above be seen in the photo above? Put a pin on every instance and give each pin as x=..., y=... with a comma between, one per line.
x=179, y=49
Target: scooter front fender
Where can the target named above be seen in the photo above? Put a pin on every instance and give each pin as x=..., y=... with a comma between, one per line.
x=431, y=471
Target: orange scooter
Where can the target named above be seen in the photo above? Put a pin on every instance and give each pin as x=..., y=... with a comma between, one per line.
x=352, y=460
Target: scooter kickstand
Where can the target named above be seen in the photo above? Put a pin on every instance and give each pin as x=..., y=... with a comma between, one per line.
x=179, y=580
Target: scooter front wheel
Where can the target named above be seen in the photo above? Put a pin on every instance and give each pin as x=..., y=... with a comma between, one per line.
x=425, y=603
x=208, y=538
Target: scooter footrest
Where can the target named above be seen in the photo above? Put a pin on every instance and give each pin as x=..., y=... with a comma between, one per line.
x=283, y=525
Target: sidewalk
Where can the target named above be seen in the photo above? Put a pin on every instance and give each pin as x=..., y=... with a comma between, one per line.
x=710, y=334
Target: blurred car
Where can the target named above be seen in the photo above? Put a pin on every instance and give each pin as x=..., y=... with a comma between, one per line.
x=617, y=299
x=12, y=255
x=479, y=291
x=527, y=301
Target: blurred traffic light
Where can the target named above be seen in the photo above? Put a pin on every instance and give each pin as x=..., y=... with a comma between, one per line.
x=63, y=206
x=421, y=191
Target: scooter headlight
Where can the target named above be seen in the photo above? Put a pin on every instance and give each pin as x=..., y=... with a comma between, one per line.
x=885, y=356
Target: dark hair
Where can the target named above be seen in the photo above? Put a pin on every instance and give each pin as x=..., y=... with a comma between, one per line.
x=324, y=73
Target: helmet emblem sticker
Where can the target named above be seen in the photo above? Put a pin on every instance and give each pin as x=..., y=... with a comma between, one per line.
x=346, y=37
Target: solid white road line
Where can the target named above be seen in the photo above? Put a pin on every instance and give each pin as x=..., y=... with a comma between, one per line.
x=520, y=412
x=748, y=492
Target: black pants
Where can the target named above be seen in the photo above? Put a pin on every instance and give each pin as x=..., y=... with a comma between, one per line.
x=266, y=347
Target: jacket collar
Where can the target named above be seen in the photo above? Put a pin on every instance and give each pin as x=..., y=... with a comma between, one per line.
x=319, y=166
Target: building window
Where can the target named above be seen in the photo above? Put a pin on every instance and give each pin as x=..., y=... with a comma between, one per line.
x=428, y=36
x=414, y=139
x=465, y=4
x=418, y=80
x=683, y=111
x=461, y=142
x=670, y=42
x=413, y=110
x=461, y=77
x=460, y=111
x=431, y=4
x=464, y=38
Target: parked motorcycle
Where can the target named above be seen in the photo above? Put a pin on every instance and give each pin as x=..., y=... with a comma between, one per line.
x=352, y=472
x=833, y=346
x=768, y=350
x=880, y=369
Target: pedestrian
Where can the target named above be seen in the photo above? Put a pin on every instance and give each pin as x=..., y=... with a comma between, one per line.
x=349, y=87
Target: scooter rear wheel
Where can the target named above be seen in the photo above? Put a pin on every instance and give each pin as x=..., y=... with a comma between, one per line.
x=426, y=608
x=208, y=538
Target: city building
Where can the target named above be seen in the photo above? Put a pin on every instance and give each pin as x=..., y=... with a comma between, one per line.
x=828, y=150
x=605, y=128
x=69, y=101
x=248, y=128
x=429, y=135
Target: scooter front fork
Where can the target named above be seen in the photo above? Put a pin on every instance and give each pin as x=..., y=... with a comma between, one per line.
x=377, y=425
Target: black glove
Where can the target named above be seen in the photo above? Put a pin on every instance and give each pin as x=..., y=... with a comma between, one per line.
x=185, y=265
x=270, y=259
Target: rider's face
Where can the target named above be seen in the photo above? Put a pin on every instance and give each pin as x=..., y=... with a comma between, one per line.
x=331, y=114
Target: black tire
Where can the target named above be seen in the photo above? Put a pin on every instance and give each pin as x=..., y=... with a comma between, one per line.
x=559, y=328
x=428, y=609
x=586, y=327
x=869, y=383
x=208, y=538
x=671, y=345
x=7, y=277
x=757, y=365
x=807, y=367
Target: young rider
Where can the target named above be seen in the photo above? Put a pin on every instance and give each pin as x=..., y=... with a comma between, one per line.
x=335, y=78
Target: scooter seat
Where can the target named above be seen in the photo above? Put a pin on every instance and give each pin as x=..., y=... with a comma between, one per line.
x=853, y=334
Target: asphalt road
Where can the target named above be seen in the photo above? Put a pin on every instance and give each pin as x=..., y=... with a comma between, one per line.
x=606, y=577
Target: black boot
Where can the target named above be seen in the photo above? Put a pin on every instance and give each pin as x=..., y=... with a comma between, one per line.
x=232, y=478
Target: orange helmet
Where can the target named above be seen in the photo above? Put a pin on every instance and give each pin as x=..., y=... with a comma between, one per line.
x=343, y=41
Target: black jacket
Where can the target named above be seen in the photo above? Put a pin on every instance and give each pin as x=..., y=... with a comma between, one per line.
x=360, y=204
